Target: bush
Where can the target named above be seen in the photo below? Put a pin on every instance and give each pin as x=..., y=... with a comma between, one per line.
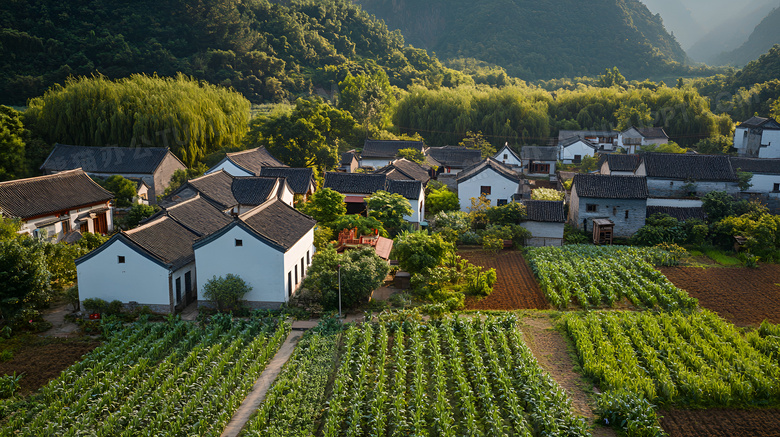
x=492, y=244
x=470, y=238
x=547, y=194
x=417, y=251
x=115, y=307
x=572, y=235
x=362, y=271
x=511, y=213
x=226, y=292
x=72, y=297
x=441, y=200
x=9, y=384
x=95, y=305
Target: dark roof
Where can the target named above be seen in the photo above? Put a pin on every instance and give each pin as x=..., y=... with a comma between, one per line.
x=226, y=191
x=491, y=163
x=252, y=190
x=566, y=134
x=756, y=165
x=278, y=223
x=110, y=160
x=652, y=132
x=610, y=186
x=541, y=153
x=347, y=157
x=388, y=148
x=217, y=186
x=198, y=215
x=408, y=189
x=688, y=166
x=511, y=152
x=253, y=160
x=403, y=169
x=620, y=162
x=765, y=123
x=165, y=239
x=455, y=156
x=358, y=183
x=679, y=213
x=566, y=142
x=299, y=179
x=545, y=211
x=42, y=195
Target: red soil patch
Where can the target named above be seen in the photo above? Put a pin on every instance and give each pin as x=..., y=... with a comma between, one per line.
x=741, y=295
x=515, y=288
x=42, y=363
x=721, y=423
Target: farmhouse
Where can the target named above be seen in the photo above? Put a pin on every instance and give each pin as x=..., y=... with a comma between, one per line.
x=496, y=181
x=573, y=149
x=153, y=165
x=300, y=180
x=246, y=163
x=55, y=206
x=454, y=159
x=270, y=247
x=405, y=170
x=349, y=162
x=675, y=175
x=758, y=137
x=545, y=222
x=603, y=139
x=153, y=264
x=539, y=161
x=508, y=157
x=633, y=138
x=765, y=181
x=618, y=164
x=379, y=153
x=620, y=199
x=357, y=186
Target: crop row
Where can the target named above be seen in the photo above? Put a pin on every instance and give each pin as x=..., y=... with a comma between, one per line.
x=597, y=276
x=173, y=378
x=671, y=358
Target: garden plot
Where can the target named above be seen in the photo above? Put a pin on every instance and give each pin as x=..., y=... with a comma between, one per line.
x=515, y=286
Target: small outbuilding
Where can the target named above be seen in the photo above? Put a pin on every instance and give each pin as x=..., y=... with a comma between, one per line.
x=545, y=222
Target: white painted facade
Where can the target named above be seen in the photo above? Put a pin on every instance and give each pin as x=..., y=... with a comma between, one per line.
x=674, y=202
x=544, y=233
x=508, y=157
x=375, y=163
x=55, y=227
x=569, y=154
x=765, y=183
x=631, y=140
x=501, y=188
x=768, y=142
x=418, y=208
x=229, y=168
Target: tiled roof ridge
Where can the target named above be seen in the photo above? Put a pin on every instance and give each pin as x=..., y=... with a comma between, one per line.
x=48, y=176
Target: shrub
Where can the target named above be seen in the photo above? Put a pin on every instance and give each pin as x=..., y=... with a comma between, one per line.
x=628, y=412
x=511, y=213
x=492, y=244
x=572, y=235
x=470, y=238
x=114, y=307
x=362, y=271
x=417, y=251
x=72, y=297
x=547, y=194
x=94, y=305
x=226, y=292
x=441, y=200
x=9, y=384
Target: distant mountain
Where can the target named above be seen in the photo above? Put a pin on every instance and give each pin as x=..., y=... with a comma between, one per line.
x=764, y=36
x=537, y=40
x=678, y=19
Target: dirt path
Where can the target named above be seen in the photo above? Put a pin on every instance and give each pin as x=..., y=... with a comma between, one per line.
x=551, y=350
x=60, y=327
x=263, y=383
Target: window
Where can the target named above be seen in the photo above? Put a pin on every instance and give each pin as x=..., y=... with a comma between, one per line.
x=505, y=156
x=626, y=214
x=66, y=226
x=120, y=259
x=577, y=159
x=776, y=188
x=308, y=261
x=501, y=202
x=484, y=189
x=178, y=289
x=591, y=207
x=239, y=243
x=540, y=168
x=289, y=283
x=296, y=275
x=302, y=268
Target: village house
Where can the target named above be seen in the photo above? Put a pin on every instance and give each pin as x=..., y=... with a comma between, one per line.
x=379, y=153
x=758, y=137
x=405, y=170
x=300, y=180
x=246, y=162
x=573, y=149
x=508, y=157
x=349, y=162
x=545, y=222
x=56, y=206
x=618, y=164
x=671, y=176
x=765, y=183
x=153, y=165
x=270, y=247
x=154, y=264
x=680, y=213
x=633, y=138
x=539, y=161
x=605, y=140
x=454, y=159
x=497, y=182
x=619, y=199
x=356, y=187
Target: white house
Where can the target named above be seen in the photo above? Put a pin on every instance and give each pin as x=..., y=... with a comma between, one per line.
x=414, y=192
x=496, y=181
x=545, y=221
x=453, y=159
x=633, y=138
x=605, y=140
x=573, y=149
x=508, y=157
x=766, y=174
x=55, y=206
x=539, y=161
x=246, y=162
x=675, y=175
x=379, y=153
x=270, y=247
x=153, y=264
x=300, y=180
x=356, y=187
x=618, y=164
x=758, y=137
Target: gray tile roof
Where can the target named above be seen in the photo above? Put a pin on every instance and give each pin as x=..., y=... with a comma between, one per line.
x=540, y=153
x=621, y=162
x=488, y=163
x=610, y=187
x=253, y=160
x=566, y=142
x=566, y=134
x=679, y=213
x=498, y=156
x=111, y=160
x=226, y=191
x=198, y=215
x=358, y=183
x=165, y=239
x=278, y=223
x=216, y=186
x=756, y=165
x=43, y=195
x=454, y=156
x=653, y=132
x=545, y=211
x=401, y=169
x=408, y=189
x=688, y=166
x=765, y=123
x=253, y=190
x=301, y=180
x=388, y=148
x=347, y=157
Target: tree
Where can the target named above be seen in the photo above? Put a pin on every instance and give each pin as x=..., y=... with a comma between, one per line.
x=714, y=145
x=9, y=228
x=743, y=179
x=89, y=241
x=227, y=292
x=12, y=145
x=137, y=214
x=717, y=205
x=546, y=194
x=417, y=251
x=325, y=206
x=123, y=189
x=24, y=275
x=180, y=176
x=477, y=141
x=369, y=98
x=633, y=114
x=389, y=209
x=670, y=147
x=412, y=154
x=364, y=225
x=441, y=200
x=611, y=78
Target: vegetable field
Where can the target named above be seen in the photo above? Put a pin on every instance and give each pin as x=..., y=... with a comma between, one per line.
x=599, y=276
x=172, y=378
x=515, y=288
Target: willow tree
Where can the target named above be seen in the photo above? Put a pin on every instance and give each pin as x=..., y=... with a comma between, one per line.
x=191, y=117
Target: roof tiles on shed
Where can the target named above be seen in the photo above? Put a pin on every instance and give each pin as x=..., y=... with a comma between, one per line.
x=610, y=186
x=688, y=166
x=545, y=211
x=388, y=148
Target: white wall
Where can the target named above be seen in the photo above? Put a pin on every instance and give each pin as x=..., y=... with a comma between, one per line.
x=771, y=139
x=509, y=159
x=763, y=183
x=566, y=154
x=544, y=233
x=677, y=203
x=230, y=168
x=500, y=188
x=180, y=274
x=418, y=209
x=292, y=259
x=139, y=279
x=740, y=138
x=377, y=163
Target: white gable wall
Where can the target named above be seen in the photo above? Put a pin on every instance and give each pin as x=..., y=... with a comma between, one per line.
x=770, y=144
x=418, y=208
x=505, y=156
x=229, y=168
x=293, y=258
x=764, y=183
x=567, y=154
x=544, y=233
x=500, y=188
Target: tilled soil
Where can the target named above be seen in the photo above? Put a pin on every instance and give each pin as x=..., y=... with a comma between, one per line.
x=741, y=295
x=516, y=286
x=718, y=422
x=42, y=363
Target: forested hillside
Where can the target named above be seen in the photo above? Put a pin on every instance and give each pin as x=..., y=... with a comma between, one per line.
x=764, y=36
x=266, y=51
x=538, y=40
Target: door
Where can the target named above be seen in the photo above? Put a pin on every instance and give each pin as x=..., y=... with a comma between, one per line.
x=188, y=287
x=178, y=290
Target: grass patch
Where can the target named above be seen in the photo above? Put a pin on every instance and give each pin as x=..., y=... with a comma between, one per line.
x=722, y=258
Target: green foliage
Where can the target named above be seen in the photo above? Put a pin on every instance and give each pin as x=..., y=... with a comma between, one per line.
x=547, y=194
x=719, y=204
x=441, y=200
x=368, y=97
x=629, y=413
x=412, y=154
x=511, y=213
x=390, y=210
x=323, y=236
x=611, y=77
x=9, y=384
x=179, y=177
x=25, y=277
x=364, y=225
x=588, y=164
x=661, y=228
x=516, y=233
x=417, y=251
x=492, y=244
x=762, y=232
x=89, y=241
x=325, y=206
x=191, y=117
x=478, y=141
x=95, y=305
x=227, y=292
x=456, y=220
x=573, y=235
x=12, y=144
x=138, y=213
x=9, y=228
x=743, y=179
x=123, y=189
x=635, y=114
x=362, y=271
x=670, y=147
x=715, y=145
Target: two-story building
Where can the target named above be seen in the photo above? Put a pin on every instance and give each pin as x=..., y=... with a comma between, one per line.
x=758, y=137
x=633, y=138
x=620, y=199
x=539, y=161
x=499, y=183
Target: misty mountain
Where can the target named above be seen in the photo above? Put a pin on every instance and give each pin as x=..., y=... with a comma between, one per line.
x=764, y=36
